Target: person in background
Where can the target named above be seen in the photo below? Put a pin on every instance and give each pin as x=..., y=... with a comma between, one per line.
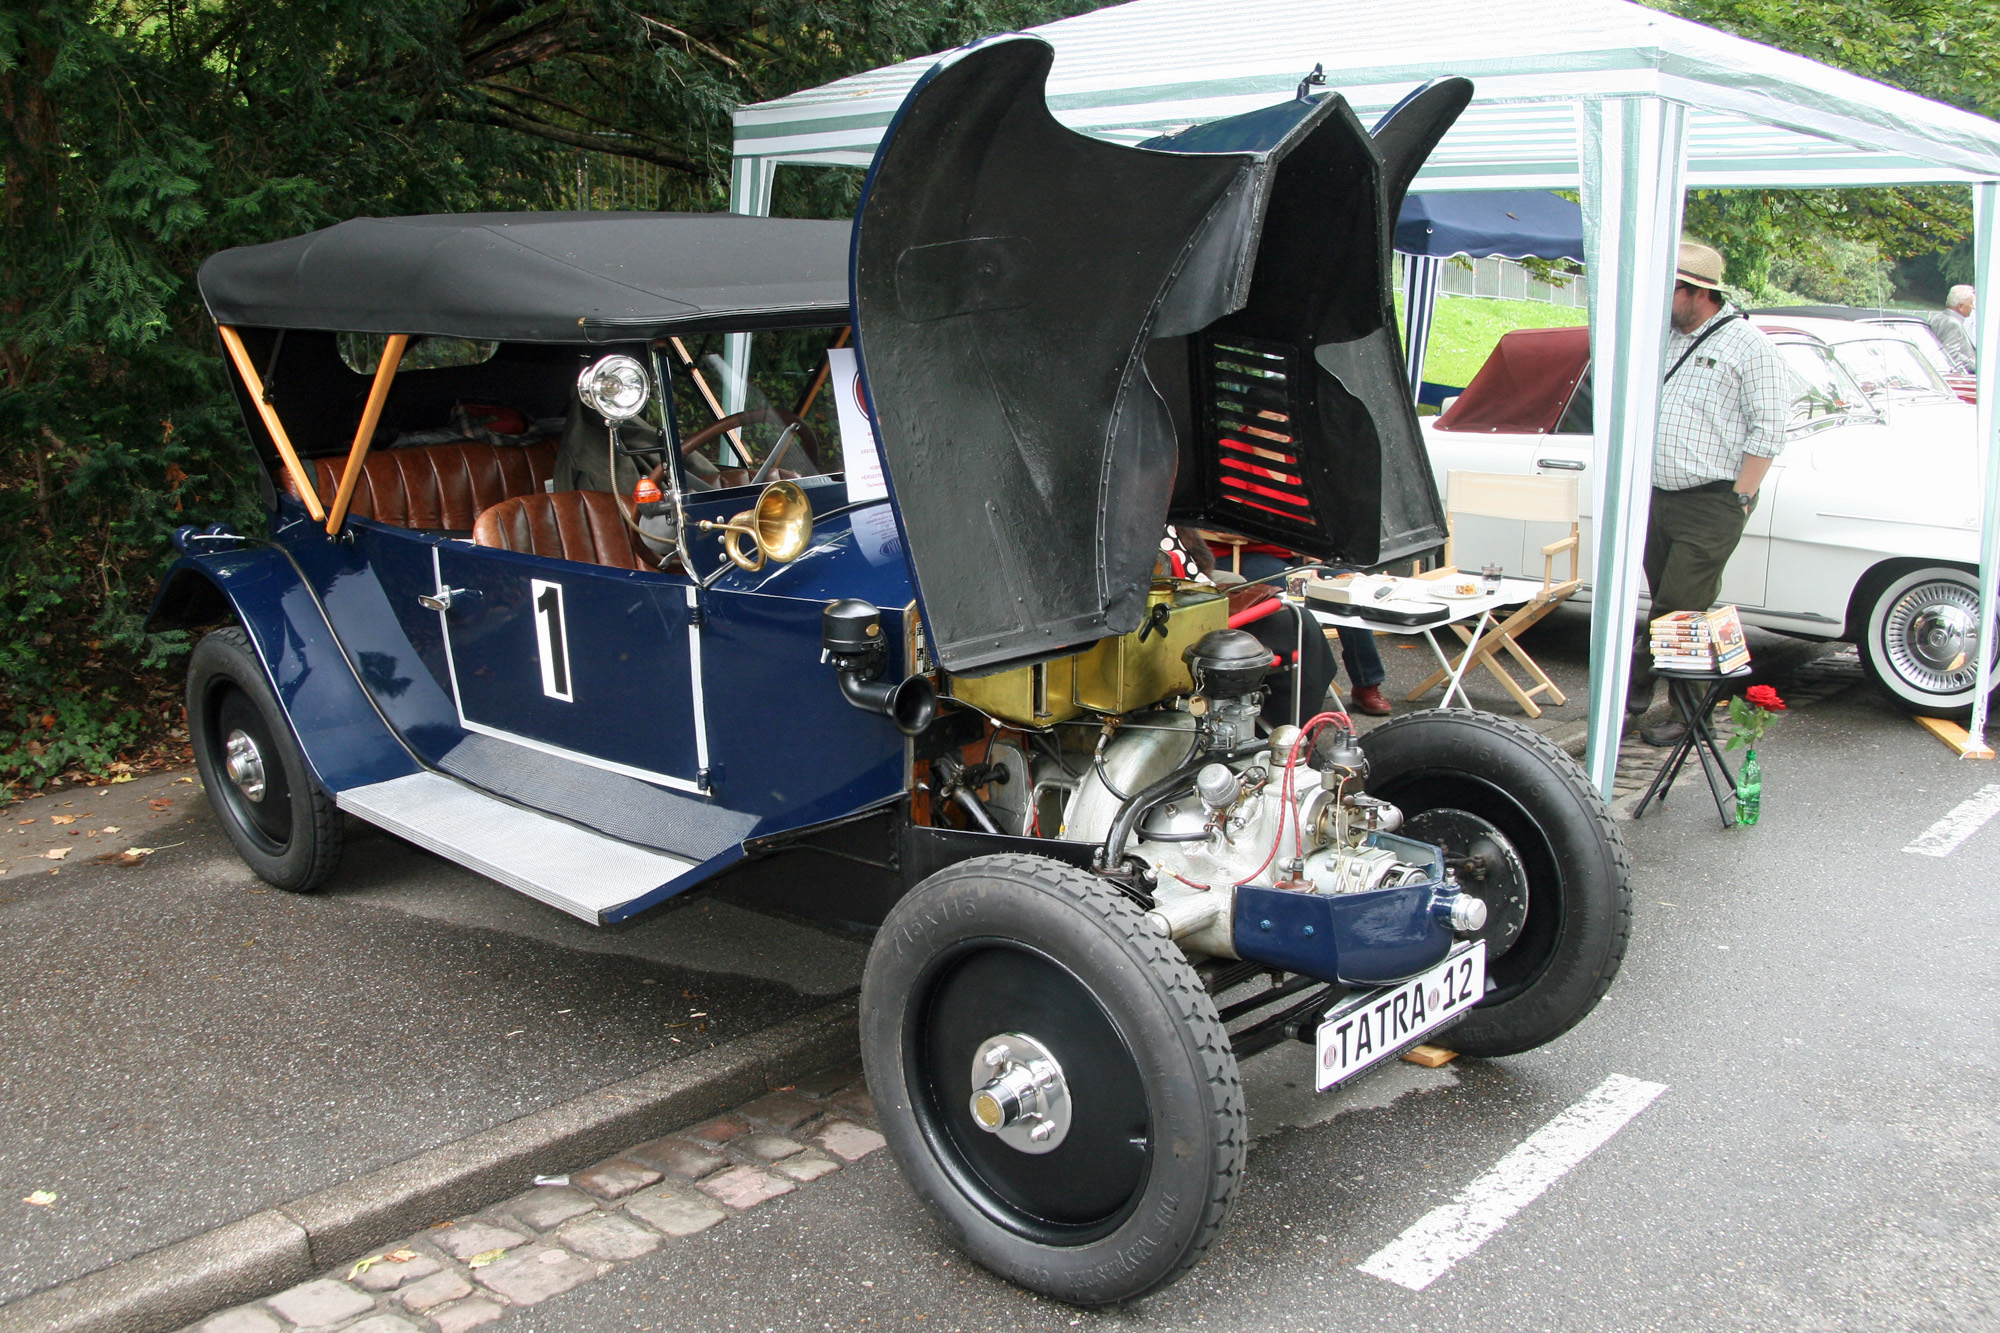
x=1365, y=672
x=1953, y=326
x=1724, y=405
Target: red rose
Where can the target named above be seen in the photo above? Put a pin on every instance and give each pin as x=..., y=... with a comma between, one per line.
x=1765, y=697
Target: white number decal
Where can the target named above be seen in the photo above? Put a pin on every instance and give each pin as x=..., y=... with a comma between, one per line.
x=551, y=639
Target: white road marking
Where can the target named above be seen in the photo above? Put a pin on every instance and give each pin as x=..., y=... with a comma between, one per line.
x=1443, y=1236
x=1943, y=837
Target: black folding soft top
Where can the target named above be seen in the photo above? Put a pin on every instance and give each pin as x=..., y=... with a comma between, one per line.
x=538, y=277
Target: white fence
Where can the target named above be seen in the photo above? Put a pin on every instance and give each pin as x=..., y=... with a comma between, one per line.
x=1503, y=279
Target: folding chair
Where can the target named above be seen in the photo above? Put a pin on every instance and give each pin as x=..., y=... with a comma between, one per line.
x=1525, y=499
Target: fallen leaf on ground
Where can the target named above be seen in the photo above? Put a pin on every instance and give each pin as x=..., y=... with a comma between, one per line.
x=485, y=1257
x=392, y=1257
x=25, y=821
x=62, y=819
x=183, y=779
x=109, y=828
x=56, y=853
x=122, y=777
x=160, y=802
x=40, y=1198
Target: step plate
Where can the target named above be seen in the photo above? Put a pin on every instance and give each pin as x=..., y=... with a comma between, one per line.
x=583, y=873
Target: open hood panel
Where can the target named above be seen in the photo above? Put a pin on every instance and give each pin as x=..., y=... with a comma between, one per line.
x=1009, y=275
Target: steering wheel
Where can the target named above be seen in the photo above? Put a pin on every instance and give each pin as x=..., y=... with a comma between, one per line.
x=714, y=431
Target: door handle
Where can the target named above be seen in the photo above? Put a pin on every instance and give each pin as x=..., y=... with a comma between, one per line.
x=442, y=598
x=1565, y=464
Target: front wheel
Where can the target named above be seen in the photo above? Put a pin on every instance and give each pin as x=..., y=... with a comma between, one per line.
x=284, y=827
x=1920, y=640
x=1052, y=1078
x=1530, y=836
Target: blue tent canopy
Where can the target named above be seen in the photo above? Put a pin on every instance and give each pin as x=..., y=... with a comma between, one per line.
x=1514, y=223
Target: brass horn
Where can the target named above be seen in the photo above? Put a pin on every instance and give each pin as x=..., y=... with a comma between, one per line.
x=779, y=526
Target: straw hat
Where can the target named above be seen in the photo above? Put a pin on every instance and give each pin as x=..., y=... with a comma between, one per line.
x=1700, y=266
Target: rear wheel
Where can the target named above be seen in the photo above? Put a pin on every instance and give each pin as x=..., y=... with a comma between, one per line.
x=285, y=828
x=1052, y=1078
x=1528, y=834
x=1920, y=639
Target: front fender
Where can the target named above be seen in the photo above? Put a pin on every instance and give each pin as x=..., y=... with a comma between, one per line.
x=345, y=740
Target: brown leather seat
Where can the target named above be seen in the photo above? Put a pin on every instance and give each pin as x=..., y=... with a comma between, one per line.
x=436, y=485
x=569, y=525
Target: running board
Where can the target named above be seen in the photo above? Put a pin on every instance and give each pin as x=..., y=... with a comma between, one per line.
x=585, y=874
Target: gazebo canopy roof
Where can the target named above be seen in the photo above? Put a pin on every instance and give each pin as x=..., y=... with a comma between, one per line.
x=1760, y=116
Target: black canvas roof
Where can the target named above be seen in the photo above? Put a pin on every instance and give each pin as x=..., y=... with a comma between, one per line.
x=537, y=277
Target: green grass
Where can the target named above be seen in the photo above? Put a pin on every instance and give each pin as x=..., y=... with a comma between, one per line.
x=1466, y=328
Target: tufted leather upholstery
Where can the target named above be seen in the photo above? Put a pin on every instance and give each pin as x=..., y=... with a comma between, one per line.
x=569, y=525
x=436, y=485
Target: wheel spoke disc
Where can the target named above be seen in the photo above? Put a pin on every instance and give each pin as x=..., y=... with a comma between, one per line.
x=1931, y=636
x=1088, y=1184
x=1461, y=810
x=267, y=821
x=1488, y=868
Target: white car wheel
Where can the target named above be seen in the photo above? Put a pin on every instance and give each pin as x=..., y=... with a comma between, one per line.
x=1921, y=637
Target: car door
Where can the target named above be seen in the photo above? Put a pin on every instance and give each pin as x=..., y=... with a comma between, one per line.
x=598, y=665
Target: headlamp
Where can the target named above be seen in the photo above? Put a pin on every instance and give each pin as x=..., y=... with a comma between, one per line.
x=616, y=388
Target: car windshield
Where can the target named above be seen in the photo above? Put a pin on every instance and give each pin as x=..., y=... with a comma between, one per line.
x=1830, y=393
x=777, y=377
x=1922, y=337
x=1889, y=365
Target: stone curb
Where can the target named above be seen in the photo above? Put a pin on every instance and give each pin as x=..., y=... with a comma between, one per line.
x=170, y=1287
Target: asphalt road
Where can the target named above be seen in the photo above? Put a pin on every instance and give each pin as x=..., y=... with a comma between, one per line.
x=185, y=1045
x=1817, y=1002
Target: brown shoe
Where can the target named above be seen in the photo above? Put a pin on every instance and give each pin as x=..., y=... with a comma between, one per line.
x=1369, y=699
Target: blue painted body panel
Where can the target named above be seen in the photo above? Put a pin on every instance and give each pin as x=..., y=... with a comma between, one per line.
x=784, y=746
x=343, y=738
x=1361, y=939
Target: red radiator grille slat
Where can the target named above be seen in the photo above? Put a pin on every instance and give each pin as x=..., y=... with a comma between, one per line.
x=1256, y=451
x=1286, y=497
x=1291, y=479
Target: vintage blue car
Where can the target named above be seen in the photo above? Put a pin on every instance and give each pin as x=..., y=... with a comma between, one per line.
x=614, y=555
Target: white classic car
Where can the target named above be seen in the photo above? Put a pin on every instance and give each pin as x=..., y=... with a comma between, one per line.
x=1868, y=529
x=1910, y=326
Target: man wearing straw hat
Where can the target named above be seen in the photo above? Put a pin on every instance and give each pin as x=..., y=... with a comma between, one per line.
x=1723, y=410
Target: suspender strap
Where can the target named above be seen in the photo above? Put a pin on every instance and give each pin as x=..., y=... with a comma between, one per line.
x=1706, y=334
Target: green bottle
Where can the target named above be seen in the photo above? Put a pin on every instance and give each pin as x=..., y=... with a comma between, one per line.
x=1749, y=789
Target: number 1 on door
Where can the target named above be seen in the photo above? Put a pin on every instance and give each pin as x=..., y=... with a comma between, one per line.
x=551, y=639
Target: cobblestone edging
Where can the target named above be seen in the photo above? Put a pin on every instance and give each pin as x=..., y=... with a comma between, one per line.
x=470, y=1271
x=1814, y=682
x=285, y=1244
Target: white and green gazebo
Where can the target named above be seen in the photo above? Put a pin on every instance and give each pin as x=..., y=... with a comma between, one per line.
x=1629, y=105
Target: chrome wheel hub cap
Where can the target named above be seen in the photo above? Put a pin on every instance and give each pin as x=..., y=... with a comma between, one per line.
x=244, y=765
x=1933, y=635
x=1019, y=1093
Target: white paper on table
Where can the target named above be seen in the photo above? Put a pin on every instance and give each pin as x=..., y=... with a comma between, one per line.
x=875, y=526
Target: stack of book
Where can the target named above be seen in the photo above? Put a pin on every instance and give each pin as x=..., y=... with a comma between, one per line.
x=1700, y=641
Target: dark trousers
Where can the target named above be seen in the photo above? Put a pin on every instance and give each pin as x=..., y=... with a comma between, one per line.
x=1690, y=536
x=1357, y=646
x=1279, y=632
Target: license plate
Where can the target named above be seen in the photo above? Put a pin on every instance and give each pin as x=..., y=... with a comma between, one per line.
x=1374, y=1026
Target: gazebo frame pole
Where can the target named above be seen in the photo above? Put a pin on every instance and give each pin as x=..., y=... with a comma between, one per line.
x=1986, y=275
x=752, y=181
x=1634, y=164
x=1421, y=277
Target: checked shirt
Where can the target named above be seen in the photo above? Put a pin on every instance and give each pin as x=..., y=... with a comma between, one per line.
x=1732, y=397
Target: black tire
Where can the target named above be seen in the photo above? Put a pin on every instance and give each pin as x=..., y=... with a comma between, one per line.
x=1915, y=626
x=290, y=832
x=1472, y=783
x=1149, y=1171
